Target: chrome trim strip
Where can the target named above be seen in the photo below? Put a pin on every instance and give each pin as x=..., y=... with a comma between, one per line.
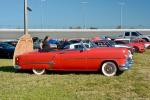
x=40, y=63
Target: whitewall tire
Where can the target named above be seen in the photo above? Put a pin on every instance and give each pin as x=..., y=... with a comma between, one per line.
x=109, y=69
x=38, y=71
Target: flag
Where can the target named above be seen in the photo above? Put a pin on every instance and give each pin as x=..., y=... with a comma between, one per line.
x=29, y=9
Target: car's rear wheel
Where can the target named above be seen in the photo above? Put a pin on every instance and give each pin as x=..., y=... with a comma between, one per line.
x=109, y=69
x=38, y=71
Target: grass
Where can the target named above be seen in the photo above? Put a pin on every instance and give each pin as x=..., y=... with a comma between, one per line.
x=131, y=85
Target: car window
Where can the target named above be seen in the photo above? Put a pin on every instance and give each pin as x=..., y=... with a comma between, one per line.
x=111, y=42
x=102, y=44
x=78, y=47
x=120, y=42
x=87, y=46
x=66, y=47
x=134, y=34
x=127, y=33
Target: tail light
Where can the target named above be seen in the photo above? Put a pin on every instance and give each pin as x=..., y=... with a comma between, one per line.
x=17, y=60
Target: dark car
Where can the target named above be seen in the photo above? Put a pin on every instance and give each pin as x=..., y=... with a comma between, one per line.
x=13, y=43
x=6, y=50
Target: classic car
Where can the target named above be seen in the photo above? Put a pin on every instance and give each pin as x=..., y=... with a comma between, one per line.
x=138, y=47
x=107, y=60
x=6, y=50
x=142, y=41
x=110, y=43
x=11, y=42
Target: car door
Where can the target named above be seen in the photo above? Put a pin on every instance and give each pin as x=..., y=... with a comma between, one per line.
x=2, y=50
x=134, y=35
x=93, y=60
x=72, y=60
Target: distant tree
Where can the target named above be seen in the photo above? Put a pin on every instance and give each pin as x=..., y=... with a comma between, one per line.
x=70, y=27
x=132, y=27
x=76, y=27
x=118, y=27
x=93, y=28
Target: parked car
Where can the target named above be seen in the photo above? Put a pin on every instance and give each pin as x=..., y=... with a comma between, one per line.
x=110, y=43
x=11, y=42
x=134, y=35
x=6, y=50
x=107, y=60
x=138, y=47
x=142, y=41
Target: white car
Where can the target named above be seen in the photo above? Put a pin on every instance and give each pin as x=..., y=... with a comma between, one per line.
x=79, y=46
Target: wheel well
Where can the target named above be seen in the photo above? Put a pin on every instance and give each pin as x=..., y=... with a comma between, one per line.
x=100, y=69
x=145, y=39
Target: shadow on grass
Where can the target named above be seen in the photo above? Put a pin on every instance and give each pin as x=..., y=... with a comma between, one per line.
x=7, y=69
x=73, y=72
x=12, y=70
x=5, y=57
x=79, y=72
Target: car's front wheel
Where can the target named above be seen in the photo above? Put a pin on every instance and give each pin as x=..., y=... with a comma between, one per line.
x=109, y=69
x=38, y=71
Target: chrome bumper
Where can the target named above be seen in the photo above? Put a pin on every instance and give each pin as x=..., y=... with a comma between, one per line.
x=126, y=66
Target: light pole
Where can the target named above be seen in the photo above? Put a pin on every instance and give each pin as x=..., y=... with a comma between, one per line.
x=83, y=3
x=25, y=17
x=42, y=12
x=121, y=13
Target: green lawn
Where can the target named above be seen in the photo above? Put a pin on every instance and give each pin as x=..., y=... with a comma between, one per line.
x=131, y=85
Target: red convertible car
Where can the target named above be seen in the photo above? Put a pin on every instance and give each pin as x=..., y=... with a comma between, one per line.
x=107, y=60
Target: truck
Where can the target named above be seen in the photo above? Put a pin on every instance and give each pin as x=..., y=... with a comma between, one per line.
x=135, y=35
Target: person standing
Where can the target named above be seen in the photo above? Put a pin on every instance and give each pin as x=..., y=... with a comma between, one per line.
x=46, y=47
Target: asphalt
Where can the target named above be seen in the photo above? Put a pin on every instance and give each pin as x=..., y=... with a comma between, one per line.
x=61, y=35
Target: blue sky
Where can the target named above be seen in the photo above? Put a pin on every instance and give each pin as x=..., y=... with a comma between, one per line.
x=66, y=13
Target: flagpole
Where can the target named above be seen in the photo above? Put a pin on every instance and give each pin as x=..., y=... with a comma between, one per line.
x=25, y=17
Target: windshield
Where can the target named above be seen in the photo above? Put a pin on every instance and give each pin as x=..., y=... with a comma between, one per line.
x=139, y=33
x=90, y=43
